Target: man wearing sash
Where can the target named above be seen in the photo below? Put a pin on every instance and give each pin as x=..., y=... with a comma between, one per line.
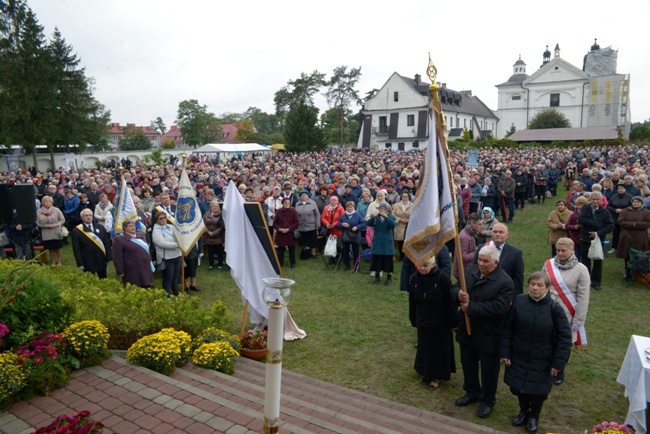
x=165, y=207
x=91, y=245
x=570, y=284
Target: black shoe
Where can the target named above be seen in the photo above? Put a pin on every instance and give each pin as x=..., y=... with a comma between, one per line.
x=292, y=266
x=195, y=288
x=388, y=281
x=521, y=418
x=465, y=400
x=376, y=281
x=557, y=381
x=532, y=425
x=483, y=411
x=596, y=286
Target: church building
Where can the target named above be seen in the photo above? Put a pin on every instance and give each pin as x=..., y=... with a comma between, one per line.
x=593, y=98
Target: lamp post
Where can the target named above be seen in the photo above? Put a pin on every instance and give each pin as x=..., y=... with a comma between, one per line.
x=277, y=294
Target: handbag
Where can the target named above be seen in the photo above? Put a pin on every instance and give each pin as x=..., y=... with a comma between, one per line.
x=63, y=231
x=351, y=237
x=296, y=234
x=330, y=247
x=596, y=249
x=323, y=231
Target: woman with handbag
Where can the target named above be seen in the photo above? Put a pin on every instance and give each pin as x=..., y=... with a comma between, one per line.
x=51, y=221
x=329, y=220
x=284, y=223
x=309, y=218
x=352, y=224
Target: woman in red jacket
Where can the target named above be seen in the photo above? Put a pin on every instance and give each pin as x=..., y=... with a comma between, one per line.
x=331, y=216
x=284, y=223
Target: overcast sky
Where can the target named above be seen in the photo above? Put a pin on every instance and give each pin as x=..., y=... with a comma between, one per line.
x=147, y=56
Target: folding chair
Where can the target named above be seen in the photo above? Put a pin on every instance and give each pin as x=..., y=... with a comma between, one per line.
x=326, y=260
x=364, y=255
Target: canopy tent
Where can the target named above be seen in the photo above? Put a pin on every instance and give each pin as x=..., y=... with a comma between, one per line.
x=230, y=147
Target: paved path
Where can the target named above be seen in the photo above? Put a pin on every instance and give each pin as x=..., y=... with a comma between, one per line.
x=130, y=399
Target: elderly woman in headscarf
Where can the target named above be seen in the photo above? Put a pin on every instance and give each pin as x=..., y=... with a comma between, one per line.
x=383, y=247
x=488, y=222
x=634, y=222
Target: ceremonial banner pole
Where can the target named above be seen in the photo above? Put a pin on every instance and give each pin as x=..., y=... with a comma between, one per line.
x=184, y=156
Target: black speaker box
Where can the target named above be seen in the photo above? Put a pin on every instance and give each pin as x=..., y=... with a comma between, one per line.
x=5, y=204
x=22, y=199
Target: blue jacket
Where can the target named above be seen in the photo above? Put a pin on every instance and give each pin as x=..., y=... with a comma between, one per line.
x=71, y=206
x=382, y=241
x=354, y=220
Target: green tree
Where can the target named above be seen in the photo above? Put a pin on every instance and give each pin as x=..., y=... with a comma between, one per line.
x=549, y=118
x=134, y=140
x=159, y=125
x=302, y=133
x=330, y=125
x=231, y=118
x=197, y=124
x=156, y=158
x=341, y=94
x=245, y=131
x=511, y=131
x=169, y=143
x=264, y=122
x=640, y=131
x=297, y=92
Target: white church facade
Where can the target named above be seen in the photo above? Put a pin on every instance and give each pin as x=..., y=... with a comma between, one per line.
x=594, y=96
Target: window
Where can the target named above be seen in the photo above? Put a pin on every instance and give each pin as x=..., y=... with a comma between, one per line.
x=383, y=127
x=516, y=97
x=410, y=120
x=555, y=100
x=464, y=123
x=416, y=144
x=396, y=96
x=389, y=145
x=451, y=122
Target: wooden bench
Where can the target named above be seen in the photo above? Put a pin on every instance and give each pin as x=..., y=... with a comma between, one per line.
x=37, y=250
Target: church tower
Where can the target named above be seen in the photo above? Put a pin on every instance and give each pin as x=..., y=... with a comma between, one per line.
x=546, y=57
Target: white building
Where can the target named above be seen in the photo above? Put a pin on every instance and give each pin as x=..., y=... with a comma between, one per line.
x=595, y=96
x=396, y=116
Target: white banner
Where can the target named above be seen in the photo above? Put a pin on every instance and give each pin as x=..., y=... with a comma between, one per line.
x=189, y=221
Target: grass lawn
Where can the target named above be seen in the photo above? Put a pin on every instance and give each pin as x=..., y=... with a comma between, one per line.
x=359, y=336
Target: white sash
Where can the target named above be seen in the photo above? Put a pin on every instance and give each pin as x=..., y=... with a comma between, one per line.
x=566, y=296
x=145, y=247
x=94, y=238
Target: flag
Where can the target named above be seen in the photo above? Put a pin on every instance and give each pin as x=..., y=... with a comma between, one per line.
x=245, y=255
x=125, y=211
x=189, y=225
x=433, y=218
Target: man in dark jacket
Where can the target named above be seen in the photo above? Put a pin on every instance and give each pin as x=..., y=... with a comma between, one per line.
x=489, y=292
x=594, y=220
x=91, y=245
x=506, y=190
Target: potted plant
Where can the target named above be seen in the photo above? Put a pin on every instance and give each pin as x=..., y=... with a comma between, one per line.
x=253, y=344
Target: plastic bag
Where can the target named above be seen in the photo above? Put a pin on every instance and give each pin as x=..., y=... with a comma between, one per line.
x=596, y=249
x=330, y=247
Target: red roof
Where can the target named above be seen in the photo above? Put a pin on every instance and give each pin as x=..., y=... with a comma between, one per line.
x=119, y=129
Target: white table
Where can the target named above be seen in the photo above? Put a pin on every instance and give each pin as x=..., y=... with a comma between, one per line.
x=635, y=376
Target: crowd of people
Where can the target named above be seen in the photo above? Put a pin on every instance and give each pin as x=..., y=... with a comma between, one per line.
x=363, y=199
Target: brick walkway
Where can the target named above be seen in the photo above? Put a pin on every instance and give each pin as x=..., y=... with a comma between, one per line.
x=130, y=399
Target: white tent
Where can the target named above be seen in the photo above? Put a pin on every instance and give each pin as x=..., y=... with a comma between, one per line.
x=230, y=148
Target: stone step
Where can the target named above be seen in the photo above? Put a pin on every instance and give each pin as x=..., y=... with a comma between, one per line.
x=130, y=399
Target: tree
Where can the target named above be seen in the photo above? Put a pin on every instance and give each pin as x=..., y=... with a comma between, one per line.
x=134, y=140
x=549, y=118
x=197, y=124
x=45, y=98
x=245, y=131
x=640, y=131
x=159, y=125
x=264, y=122
x=341, y=93
x=297, y=92
x=231, y=118
x=302, y=133
x=156, y=158
x=511, y=131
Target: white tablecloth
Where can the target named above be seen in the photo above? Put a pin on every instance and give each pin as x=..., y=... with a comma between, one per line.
x=635, y=376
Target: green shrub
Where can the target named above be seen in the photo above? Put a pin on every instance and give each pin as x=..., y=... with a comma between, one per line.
x=219, y=356
x=38, y=307
x=212, y=335
x=46, y=364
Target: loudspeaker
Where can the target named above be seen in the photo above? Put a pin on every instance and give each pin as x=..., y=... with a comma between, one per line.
x=5, y=208
x=23, y=204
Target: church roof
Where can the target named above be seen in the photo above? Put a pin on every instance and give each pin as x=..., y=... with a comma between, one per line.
x=515, y=79
x=565, y=134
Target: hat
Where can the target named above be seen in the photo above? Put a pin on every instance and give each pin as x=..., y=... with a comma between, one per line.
x=287, y=184
x=383, y=205
x=199, y=186
x=303, y=192
x=639, y=198
x=331, y=187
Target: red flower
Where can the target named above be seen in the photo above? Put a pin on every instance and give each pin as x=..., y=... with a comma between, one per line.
x=38, y=360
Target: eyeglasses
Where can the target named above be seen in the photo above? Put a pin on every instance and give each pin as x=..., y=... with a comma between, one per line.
x=162, y=217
